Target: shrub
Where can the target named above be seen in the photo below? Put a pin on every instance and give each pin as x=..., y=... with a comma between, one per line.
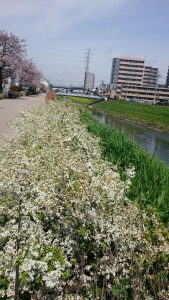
x=68, y=230
x=15, y=88
x=31, y=91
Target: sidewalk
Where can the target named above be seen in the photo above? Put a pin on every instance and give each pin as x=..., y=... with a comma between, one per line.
x=9, y=109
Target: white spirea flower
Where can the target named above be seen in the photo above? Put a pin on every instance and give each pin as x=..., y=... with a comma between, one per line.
x=70, y=206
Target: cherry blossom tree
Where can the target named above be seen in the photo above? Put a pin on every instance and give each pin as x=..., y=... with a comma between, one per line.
x=28, y=74
x=12, y=53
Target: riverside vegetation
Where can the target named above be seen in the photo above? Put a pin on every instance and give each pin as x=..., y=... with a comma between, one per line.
x=68, y=230
x=150, y=185
x=82, y=100
x=153, y=116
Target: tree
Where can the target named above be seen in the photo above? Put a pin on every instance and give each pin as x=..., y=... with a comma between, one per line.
x=12, y=52
x=28, y=74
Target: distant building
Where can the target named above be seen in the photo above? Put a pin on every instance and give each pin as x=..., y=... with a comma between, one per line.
x=89, y=81
x=150, y=76
x=144, y=92
x=104, y=87
x=167, y=79
x=162, y=86
x=132, y=72
x=127, y=70
x=106, y=90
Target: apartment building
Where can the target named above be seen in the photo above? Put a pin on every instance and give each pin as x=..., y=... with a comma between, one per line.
x=127, y=70
x=167, y=79
x=144, y=92
x=132, y=72
x=150, y=76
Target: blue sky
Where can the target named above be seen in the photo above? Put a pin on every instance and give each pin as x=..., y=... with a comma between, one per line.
x=59, y=32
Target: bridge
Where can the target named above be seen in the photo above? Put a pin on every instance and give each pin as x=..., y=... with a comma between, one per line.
x=83, y=93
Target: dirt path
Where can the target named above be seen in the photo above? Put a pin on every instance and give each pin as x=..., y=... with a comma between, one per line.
x=9, y=109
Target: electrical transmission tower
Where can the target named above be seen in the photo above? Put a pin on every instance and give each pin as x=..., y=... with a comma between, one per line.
x=89, y=77
x=87, y=60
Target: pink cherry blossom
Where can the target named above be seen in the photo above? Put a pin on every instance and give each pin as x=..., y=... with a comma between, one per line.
x=14, y=62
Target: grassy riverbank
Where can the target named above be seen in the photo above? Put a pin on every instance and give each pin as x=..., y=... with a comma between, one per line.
x=150, y=186
x=82, y=100
x=149, y=115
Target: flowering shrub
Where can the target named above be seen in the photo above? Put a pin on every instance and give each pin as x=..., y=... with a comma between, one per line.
x=67, y=229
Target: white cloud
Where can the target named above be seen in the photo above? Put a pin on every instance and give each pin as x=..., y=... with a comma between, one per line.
x=15, y=7
x=47, y=26
x=54, y=15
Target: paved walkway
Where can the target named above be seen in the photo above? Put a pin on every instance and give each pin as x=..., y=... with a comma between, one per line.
x=9, y=109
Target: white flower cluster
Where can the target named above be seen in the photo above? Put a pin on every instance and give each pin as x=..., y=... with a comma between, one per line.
x=65, y=220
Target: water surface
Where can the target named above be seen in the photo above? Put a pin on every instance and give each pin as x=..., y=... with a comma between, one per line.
x=154, y=141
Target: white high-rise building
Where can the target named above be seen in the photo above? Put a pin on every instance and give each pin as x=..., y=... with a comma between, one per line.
x=89, y=81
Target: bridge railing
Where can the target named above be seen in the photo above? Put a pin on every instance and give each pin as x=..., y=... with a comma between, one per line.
x=87, y=93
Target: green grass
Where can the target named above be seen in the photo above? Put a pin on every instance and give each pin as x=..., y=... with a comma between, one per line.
x=81, y=100
x=150, y=115
x=150, y=186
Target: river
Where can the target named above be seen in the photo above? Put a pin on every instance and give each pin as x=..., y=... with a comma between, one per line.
x=154, y=141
